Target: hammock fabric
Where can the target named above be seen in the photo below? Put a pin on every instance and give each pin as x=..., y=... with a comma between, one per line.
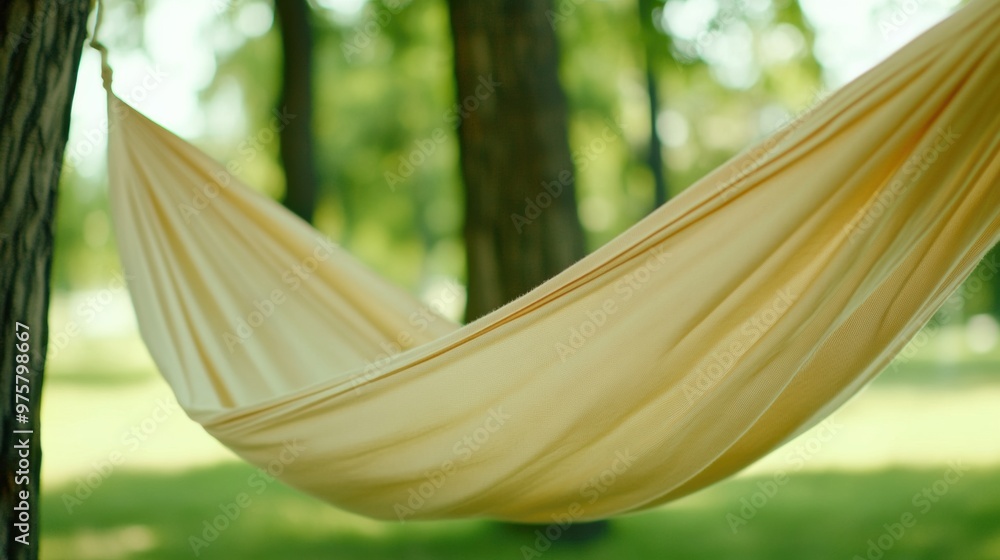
x=730, y=320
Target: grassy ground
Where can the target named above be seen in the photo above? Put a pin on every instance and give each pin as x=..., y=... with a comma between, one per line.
x=897, y=440
x=813, y=515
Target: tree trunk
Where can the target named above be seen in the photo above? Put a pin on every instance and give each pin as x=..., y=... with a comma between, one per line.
x=521, y=225
x=39, y=57
x=297, y=152
x=654, y=156
x=992, y=257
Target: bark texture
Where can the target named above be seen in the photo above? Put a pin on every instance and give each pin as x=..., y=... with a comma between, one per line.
x=39, y=56
x=521, y=223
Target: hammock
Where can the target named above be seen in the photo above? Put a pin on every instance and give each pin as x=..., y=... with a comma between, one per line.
x=730, y=320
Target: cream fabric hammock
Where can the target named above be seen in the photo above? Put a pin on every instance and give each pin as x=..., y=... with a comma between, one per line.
x=728, y=321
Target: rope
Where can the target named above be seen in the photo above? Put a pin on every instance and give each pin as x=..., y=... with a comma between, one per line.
x=105, y=67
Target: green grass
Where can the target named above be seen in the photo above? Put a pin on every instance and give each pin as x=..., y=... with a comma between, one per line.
x=966, y=373
x=151, y=516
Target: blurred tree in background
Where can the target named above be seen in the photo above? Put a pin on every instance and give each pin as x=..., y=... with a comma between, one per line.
x=384, y=86
x=650, y=37
x=297, y=151
x=521, y=226
x=679, y=86
x=703, y=79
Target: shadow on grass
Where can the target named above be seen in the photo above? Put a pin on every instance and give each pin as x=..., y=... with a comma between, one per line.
x=825, y=515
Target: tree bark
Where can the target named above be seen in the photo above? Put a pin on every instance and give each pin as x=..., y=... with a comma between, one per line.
x=297, y=150
x=39, y=57
x=521, y=224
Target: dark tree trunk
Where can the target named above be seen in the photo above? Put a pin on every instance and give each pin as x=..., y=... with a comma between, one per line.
x=654, y=157
x=992, y=257
x=39, y=57
x=521, y=225
x=297, y=152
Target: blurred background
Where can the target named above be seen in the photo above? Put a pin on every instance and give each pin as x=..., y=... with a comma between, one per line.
x=656, y=95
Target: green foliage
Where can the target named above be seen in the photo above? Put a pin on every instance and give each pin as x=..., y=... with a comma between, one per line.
x=385, y=92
